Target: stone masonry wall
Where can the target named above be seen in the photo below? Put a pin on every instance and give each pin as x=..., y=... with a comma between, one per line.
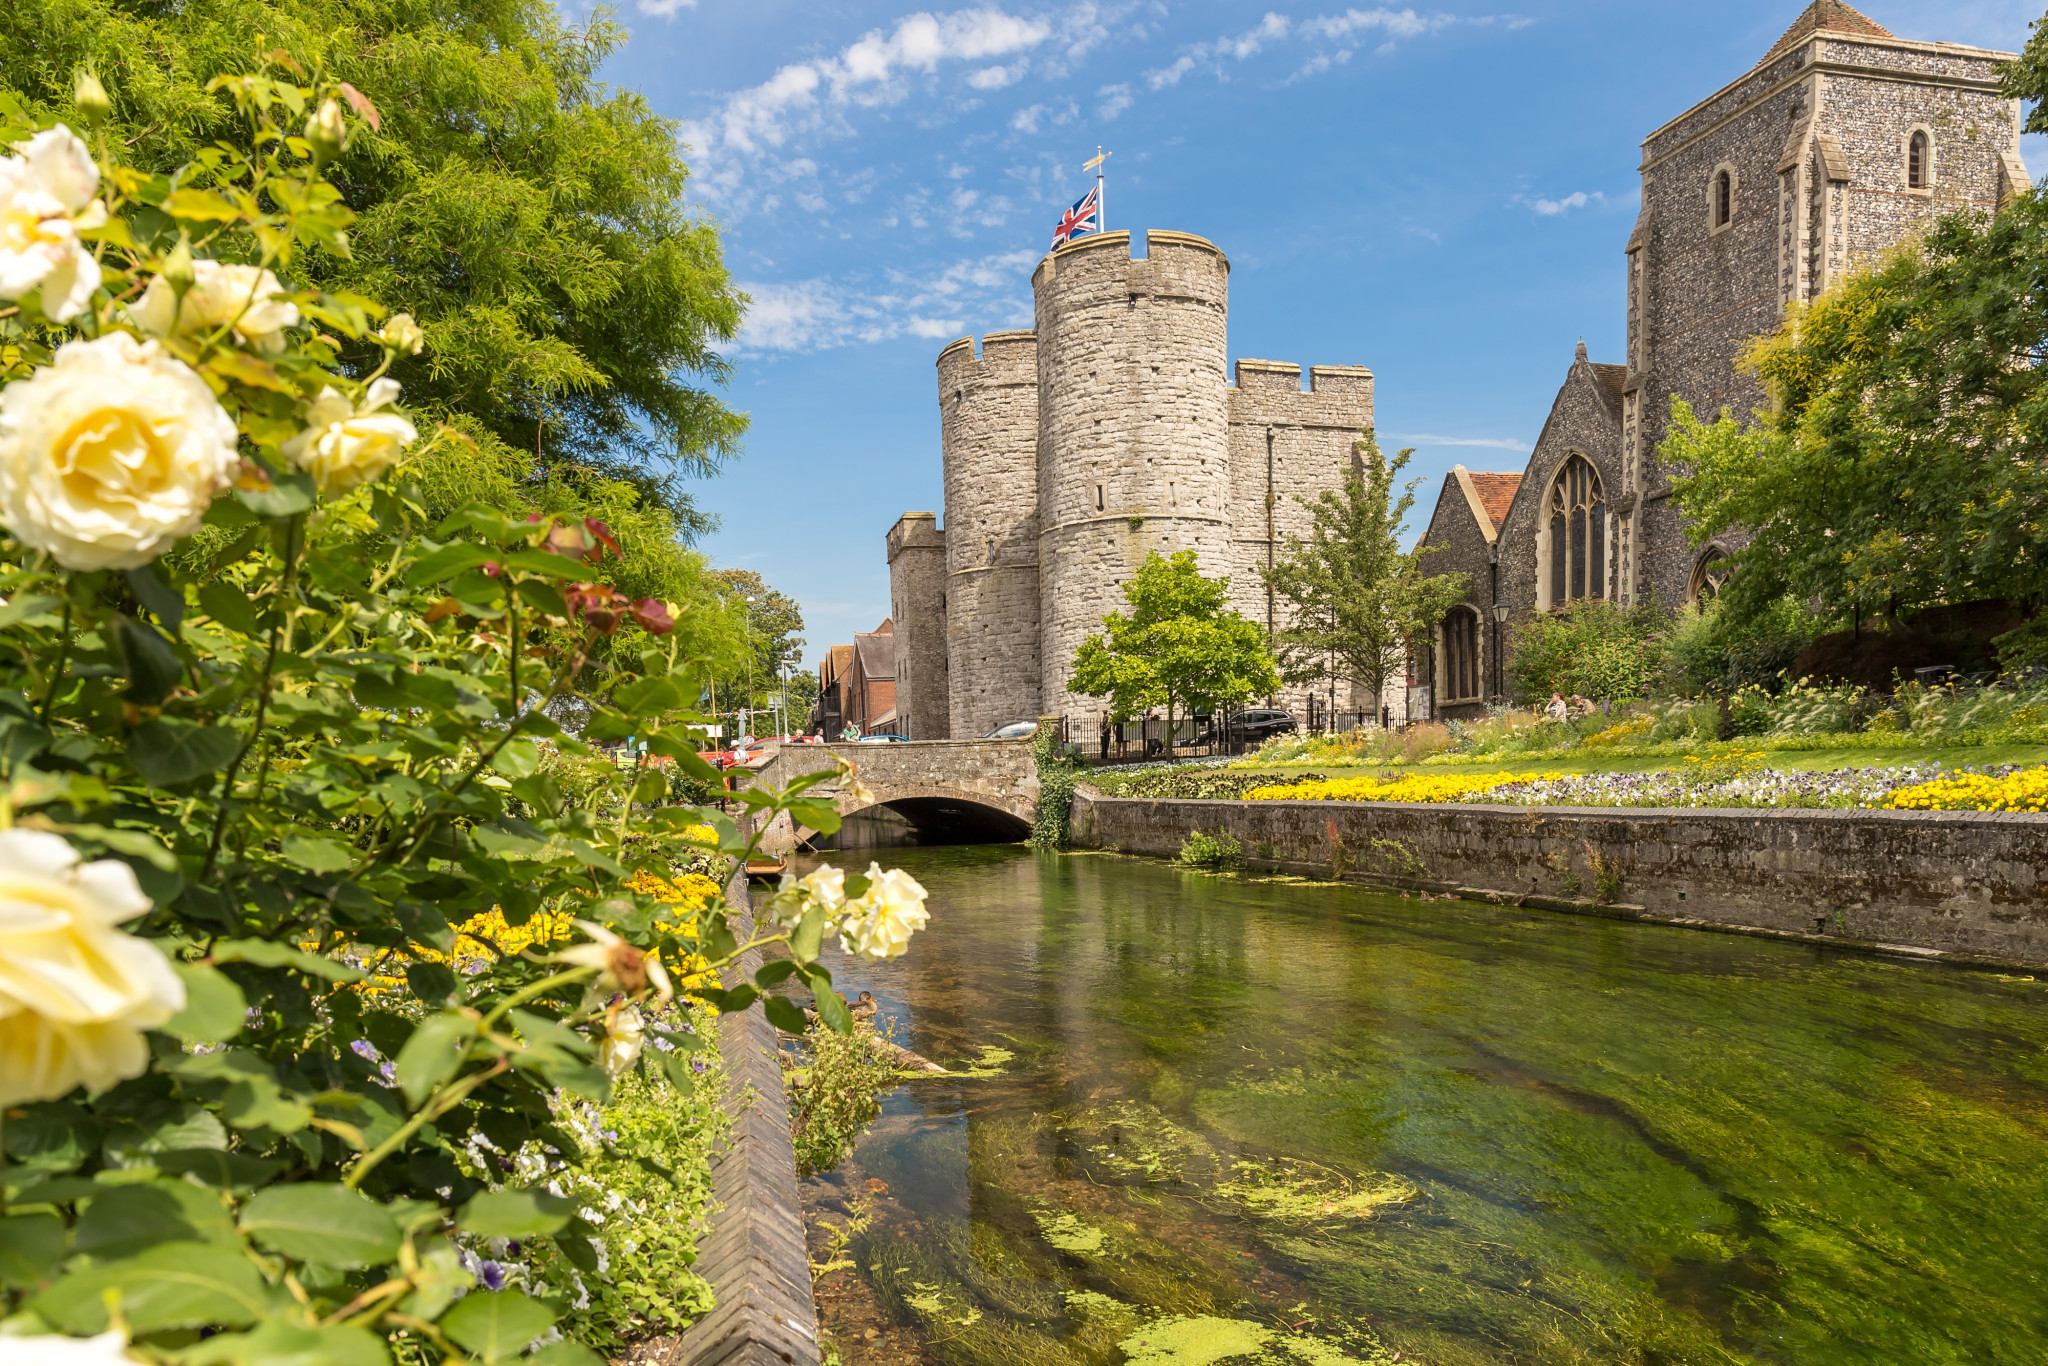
x=1816, y=141
x=1584, y=420
x=988, y=408
x=1457, y=544
x=1954, y=882
x=917, y=593
x=1132, y=451
x=1286, y=445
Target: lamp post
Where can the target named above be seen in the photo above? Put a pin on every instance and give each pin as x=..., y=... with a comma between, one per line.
x=1500, y=622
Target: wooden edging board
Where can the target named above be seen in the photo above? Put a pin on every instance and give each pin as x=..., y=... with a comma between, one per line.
x=755, y=1257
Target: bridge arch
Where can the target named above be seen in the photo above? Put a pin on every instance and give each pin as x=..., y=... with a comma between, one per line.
x=922, y=792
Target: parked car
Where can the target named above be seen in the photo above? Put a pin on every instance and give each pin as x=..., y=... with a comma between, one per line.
x=1014, y=730
x=1250, y=726
x=883, y=739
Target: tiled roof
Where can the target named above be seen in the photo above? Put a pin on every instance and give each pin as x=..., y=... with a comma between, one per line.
x=837, y=661
x=1611, y=378
x=1496, y=493
x=1831, y=16
x=877, y=654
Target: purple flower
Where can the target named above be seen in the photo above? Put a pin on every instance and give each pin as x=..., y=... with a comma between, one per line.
x=699, y=1065
x=364, y=1049
x=492, y=1275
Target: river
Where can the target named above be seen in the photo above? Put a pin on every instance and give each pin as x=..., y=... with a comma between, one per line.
x=1242, y=1120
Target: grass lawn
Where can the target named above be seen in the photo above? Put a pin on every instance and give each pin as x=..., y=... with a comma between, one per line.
x=1814, y=760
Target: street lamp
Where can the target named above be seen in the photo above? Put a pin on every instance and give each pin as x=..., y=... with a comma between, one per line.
x=1500, y=621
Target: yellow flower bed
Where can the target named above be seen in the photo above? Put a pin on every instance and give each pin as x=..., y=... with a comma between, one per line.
x=2026, y=790
x=1420, y=787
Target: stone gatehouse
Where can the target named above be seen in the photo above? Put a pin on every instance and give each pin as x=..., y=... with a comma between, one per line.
x=1843, y=141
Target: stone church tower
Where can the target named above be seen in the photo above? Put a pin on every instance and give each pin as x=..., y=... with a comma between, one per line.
x=1073, y=451
x=1843, y=142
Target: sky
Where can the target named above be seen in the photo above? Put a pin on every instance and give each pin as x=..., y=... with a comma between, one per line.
x=1442, y=195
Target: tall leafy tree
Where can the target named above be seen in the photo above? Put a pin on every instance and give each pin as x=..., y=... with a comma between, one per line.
x=772, y=623
x=1179, y=646
x=1358, y=602
x=529, y=216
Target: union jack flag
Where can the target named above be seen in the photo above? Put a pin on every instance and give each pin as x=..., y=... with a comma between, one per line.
x=1080, y=220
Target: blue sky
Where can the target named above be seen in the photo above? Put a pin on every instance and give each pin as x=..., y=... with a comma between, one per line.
x=1441, y=195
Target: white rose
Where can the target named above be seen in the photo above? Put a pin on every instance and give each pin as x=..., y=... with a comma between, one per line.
x=54, y=1349
x=47, y=195
x=75, y=993
x=111, y=453
x=247, y=296
x=825, y=886
x=786, y=905
x=344, y=445
x=880, y=922
x=625, y=1034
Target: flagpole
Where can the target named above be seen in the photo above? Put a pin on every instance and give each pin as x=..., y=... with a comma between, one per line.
x=1101, y=219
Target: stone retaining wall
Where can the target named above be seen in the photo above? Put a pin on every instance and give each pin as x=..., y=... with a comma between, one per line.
x=1934, y=883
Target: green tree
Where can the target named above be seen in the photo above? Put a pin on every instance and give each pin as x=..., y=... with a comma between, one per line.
x=1359, y=603
x=1592, y=648
x=530, y=217
x=1900, y=462
x=1179, y=646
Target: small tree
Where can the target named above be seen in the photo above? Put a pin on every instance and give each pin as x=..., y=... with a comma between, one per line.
x=1359, y=602
x=1180, y=646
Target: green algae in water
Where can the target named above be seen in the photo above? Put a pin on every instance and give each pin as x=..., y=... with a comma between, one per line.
x=1069, y=1234
x=1628, y=1145
x=1193, y=1341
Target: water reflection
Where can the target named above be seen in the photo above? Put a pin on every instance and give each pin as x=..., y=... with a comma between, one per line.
x=1318, y=1124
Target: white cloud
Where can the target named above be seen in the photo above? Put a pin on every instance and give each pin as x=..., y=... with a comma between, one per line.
x=1403, y=23
x=665, y=9
x=1026, y=120
x=1115, y=99
x=820, y=314
x=996, y=77
x=1498, y=443
x=1551, y=208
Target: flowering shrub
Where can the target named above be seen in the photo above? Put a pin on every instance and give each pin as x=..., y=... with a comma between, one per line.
x=2009, y=790
x=264, y=1101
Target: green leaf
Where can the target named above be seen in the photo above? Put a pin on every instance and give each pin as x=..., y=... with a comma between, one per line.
x=166, y=603
x=151, y=664
x=123, y=1220
x=52, y=1137
x=214, y=1006
x=832, y=1010
x=289, y=495
x=229, y=606
x=228, y=1171
x=566, y=1353
x=497, y=1327
x=25, y=605
x=781, y=970
x=808, y=936
x=546, y=562
x=680, y=1074
x=544, y=596
x=282, y=1342
x=645, y=697
x=515, y=1213
x=517, y=757
x=30, y=1246
x=318, y=855
x=202, y=206
x=431, y=983
x=785, y=1014
x=650, y=787
x=433, y=1053
x=446, y=562
x=167, y=753
x=816, y=813
x=317, y=1222
x=265, y=954
x=172, y=1285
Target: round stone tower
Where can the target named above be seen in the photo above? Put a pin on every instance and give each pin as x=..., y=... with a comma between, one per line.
x=988, y=424
x=1133, y=430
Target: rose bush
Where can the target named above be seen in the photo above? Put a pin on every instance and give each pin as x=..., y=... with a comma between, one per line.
x=268, y=736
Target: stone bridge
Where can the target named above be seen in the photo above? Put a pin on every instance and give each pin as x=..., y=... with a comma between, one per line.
x=931, y=791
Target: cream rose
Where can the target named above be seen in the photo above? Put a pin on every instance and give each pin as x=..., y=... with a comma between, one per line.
x=54, y=1349
x=247, y=296
x=48, y=194
x=825, y=886
x=881, y=920
x=625, y=1034
x=75, y=993
x=345, y=445
x=111, y=453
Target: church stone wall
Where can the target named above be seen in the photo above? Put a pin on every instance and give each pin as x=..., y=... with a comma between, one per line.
x=988, y=407
x=1132, y=430
x=917, y=592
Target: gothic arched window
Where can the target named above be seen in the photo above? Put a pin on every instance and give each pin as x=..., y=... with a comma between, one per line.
x=1461, y=655
x=1578, y=534
x=1916, y=161
x=1724, y=198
